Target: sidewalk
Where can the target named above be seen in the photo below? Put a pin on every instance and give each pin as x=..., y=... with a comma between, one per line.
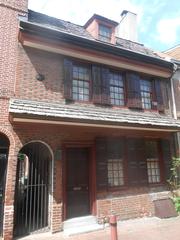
x=138, y=229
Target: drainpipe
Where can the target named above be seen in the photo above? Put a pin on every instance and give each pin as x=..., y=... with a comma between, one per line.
x=175, y=68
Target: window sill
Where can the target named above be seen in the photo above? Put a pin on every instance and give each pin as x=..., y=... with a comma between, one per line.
x=68, y=101
x=127, y=187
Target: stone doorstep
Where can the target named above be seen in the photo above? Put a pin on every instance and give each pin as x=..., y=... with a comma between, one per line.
x=81, y=225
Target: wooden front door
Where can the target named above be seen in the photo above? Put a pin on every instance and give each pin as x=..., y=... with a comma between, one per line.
x=77, y=187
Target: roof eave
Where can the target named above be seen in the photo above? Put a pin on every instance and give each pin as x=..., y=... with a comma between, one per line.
x=31, y=118
x=92, y=44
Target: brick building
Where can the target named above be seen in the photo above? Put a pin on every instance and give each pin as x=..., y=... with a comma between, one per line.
x=86, y=124
x=174, y=54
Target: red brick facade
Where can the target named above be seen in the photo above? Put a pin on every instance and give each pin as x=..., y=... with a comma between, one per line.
x=30, y=63
x=9, y=11
x=18, y=71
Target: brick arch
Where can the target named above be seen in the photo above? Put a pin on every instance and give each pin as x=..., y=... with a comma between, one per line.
x=49, y=191
x=39, y=141
x=9, y=135
x=50, y=149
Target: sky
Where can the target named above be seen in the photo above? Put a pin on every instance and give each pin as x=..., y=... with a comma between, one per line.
x=158, y=20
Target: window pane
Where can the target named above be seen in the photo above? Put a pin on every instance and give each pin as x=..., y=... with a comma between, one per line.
x=116, y=89
x=115, y=163
x=104, y=33
x=81, y=78
x=146, y=93
x=152, y=162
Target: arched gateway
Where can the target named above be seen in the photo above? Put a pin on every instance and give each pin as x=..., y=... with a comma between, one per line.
x=32, y=188
x=4, y=149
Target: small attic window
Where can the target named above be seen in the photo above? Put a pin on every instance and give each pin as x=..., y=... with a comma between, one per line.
x=105, y=33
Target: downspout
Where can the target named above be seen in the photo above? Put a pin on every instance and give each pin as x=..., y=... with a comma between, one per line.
x=175, y=67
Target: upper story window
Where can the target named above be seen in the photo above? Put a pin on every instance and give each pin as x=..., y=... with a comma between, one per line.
x=116, y=89
x=105, y=33
x=81, y=83
x=146, y=93
x=101, y=85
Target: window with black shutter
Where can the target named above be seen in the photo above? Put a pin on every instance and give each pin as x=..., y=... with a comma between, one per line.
x=105, y=94
x=133, y=90
x=153, y=161
x=146, y=93
x=110, y=162
x=158, y=94
x=96, y=78
x=137, y=168
x=116, y=89
x=115, y=162
x=101, y=163
x=81, y=83
x=77, y=78
x=166, y=154
x=68, y=75
x=101, y=89
x=101, y=85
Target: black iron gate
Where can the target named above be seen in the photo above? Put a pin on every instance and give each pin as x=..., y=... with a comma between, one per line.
x=32, y=193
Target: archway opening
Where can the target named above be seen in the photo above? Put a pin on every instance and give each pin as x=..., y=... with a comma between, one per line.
x=4, y=149
x=32, y=189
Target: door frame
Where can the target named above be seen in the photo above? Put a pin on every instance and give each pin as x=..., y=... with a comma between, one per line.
x=92, y=174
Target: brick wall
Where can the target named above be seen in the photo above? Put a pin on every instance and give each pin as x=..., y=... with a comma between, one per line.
x=9, y=12
x=30, y=63
x=18, y=69
x=131, y=203
x=17, y=5
x=9, y=47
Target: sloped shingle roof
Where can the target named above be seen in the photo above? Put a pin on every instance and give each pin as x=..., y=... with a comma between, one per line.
x=58, y=24
x=77, y=30
x=91, y=114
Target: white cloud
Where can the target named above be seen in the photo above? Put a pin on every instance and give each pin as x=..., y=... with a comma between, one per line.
x=167, y=30
x=80, y=11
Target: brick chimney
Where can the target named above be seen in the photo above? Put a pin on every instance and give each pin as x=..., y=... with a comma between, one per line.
x=127, y=27
x=9, y=12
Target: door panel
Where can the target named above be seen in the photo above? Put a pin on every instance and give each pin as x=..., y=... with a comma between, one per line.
x=77, y=182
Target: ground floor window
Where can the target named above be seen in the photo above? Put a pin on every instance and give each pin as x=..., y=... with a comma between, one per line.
x=115, y=172
x=131, y=161
x=152, y=158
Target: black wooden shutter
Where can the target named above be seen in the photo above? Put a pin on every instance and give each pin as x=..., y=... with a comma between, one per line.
x=115, y=148
x=132, y=163
x=137, y=166
x=101, y=163
x=105, y=97
x=68, y=75
x=96, y=76
x=158, y=93
x=133, y=91
x=166, y=154
x=141, y=149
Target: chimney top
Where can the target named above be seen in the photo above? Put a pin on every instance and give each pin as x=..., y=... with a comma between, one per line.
x=124, y=12
x=127, y=27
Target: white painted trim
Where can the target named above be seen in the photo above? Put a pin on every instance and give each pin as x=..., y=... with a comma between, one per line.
x=24, y=120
